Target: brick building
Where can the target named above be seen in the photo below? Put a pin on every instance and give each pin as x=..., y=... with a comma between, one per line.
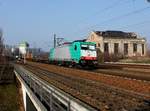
x=118, y=42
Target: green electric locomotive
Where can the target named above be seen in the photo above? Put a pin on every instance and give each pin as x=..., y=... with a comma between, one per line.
x=77, y=52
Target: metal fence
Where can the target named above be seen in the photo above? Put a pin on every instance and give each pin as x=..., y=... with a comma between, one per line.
x=51, y=97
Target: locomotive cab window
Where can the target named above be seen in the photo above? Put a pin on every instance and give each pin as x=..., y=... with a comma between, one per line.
x=87, y=47
x=84, y=47
x=92, y=47
x=75, y=47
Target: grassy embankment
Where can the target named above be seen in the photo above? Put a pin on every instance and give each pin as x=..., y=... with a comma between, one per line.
x=144, y=60
x=8, y=97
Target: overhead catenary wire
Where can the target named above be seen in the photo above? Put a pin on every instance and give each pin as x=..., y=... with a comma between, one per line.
x=128, y=26
x=111, y=6
x=135, y=24
x=116, y=18
x=122, y=16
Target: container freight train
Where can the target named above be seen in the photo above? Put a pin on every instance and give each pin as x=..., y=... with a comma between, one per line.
x=75, y=53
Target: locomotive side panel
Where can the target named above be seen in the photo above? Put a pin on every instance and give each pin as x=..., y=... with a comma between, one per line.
x=51, y=54
x=62, y=53
x=75, y=52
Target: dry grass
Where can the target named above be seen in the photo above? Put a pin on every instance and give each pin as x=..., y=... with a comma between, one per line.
x=145, y=60
x=8, y=97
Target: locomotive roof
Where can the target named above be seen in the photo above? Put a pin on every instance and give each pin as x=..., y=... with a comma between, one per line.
x=81, y=42
x=85, y=42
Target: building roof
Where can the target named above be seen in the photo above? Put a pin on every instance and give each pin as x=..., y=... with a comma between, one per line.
x=116, y=34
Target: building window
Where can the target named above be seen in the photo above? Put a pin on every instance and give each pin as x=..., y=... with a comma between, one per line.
x=116, y=48
x=98, y=45
x=134, y=47
x=125, y=48
x=106, y=48
x=143, y=49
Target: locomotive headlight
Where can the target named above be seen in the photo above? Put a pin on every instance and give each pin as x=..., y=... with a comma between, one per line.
x=82, y=57
x=83, y=61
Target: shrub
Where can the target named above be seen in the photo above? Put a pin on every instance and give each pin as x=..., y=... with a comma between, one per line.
x=100, y=56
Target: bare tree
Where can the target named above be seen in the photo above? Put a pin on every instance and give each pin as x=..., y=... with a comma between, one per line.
x=148, y=50
x=1, y=42
x=1, y=47
x=1, y=54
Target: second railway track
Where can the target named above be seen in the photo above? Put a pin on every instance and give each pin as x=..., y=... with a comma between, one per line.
x=131, y=71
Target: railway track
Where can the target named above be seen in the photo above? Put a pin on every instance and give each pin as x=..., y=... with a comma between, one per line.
x=126, y=73
x=131, y=71
x=100, y=77
x=99, y=95
x=122, y=65
x=141, y=74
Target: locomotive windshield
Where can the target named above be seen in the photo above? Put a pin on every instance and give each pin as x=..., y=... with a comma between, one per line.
x=91, y=47
x=84, y=47
x=87, y=47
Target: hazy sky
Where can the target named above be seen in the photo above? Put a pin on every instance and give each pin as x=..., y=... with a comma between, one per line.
x=35, y=21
